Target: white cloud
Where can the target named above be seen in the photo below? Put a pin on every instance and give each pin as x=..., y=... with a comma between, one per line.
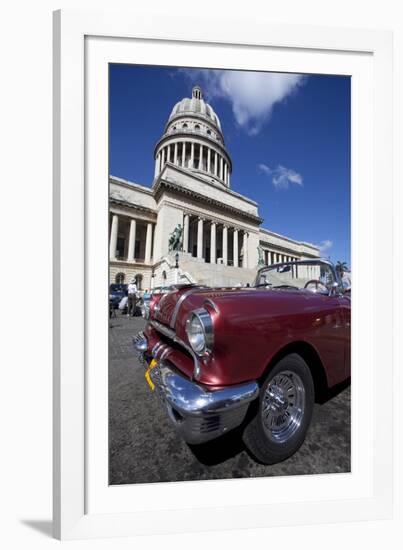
x=281, y=176
x=325, y=245
x=251, y=94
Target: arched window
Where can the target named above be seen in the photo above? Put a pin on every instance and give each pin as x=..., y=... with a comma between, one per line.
x=184, y=125
x=120, y=278
x=197, y=127
x=139, y=280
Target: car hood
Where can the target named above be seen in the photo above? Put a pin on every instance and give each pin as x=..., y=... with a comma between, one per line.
x=178, y=303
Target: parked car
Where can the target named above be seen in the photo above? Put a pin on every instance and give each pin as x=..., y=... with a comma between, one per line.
x=116, y=292
x=254, y=357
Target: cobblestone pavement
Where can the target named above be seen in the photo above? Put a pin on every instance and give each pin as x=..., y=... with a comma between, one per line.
x=144, y=448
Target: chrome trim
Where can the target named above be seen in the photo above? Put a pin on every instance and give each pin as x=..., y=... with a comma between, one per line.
x=210, y=303
x=165, y=353
x=171, y=334
x=207, y=324
x=154, y=351
x=163, y=329
x=160, y=351
x=180, y=302
x=140, y=342
x=198, y=414
x=190, y=398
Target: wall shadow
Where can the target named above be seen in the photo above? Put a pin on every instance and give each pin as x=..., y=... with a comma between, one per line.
x=42, y=526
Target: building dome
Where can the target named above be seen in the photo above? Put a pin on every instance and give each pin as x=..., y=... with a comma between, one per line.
x=195, y=106
x=193, y=140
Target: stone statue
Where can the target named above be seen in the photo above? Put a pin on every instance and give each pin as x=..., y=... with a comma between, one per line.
x=261, y=261
x=175, y=239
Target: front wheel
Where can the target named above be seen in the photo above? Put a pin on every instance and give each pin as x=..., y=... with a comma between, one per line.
x=285, y=410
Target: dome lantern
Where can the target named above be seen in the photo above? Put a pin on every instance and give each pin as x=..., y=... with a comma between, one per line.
x=197, y=93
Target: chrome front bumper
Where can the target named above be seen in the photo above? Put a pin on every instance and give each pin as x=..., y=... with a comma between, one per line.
x=198, y=414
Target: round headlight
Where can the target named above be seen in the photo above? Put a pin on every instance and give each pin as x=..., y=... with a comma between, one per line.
x=199, y=329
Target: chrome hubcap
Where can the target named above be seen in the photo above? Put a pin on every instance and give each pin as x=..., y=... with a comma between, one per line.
x=283, y=406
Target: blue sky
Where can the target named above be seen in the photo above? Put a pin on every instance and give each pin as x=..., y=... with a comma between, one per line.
x=288, y=137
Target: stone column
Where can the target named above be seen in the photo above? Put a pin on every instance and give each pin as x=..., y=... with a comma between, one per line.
x=185, y=232
x=221, y=168
x=225, y=172
x=245, y=250
x=201, y=158
x=225, y=244
x=176, y=153
x=169, y=153
x=215, y=163
x=114, y=237
x=209, y=160
x=236, y=248
x=228, y=179
x=183, y=153
x=149, y=238
x=157, y=165
x=163, y=159
x=192, y=155
x=200, y=238
x=213, y=245
x=132, y=241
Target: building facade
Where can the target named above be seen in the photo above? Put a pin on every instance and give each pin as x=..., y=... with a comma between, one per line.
x=221, y=238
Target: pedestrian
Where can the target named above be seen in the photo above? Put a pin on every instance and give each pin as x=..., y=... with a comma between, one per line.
x=132, y=297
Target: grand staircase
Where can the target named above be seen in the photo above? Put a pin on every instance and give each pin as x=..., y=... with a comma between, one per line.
x=192, y=270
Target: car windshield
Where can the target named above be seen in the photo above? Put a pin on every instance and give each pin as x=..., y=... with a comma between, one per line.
x=317, y=277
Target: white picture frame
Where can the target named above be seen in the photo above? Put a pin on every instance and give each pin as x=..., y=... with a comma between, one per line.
x=84, y=505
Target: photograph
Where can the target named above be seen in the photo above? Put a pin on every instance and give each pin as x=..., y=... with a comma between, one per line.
x=229, y=274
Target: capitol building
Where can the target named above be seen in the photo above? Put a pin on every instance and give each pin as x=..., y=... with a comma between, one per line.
x=190, y=226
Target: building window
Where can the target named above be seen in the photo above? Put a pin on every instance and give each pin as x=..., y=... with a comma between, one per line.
x=209, y=132
x=184, y=125
x=120, y=247
x=137, y=249
x=197, y=127
x=139, y=280
x=120, y=278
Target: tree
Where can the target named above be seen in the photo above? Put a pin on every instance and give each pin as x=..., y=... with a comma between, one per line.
x=341, y=268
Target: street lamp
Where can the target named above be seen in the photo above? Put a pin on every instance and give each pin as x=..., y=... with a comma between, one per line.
x=176, y=268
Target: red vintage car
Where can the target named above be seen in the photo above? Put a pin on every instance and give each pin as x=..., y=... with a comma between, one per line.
x=255, y=357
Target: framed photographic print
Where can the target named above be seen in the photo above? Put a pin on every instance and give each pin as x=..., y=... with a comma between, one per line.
x=216, y=193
